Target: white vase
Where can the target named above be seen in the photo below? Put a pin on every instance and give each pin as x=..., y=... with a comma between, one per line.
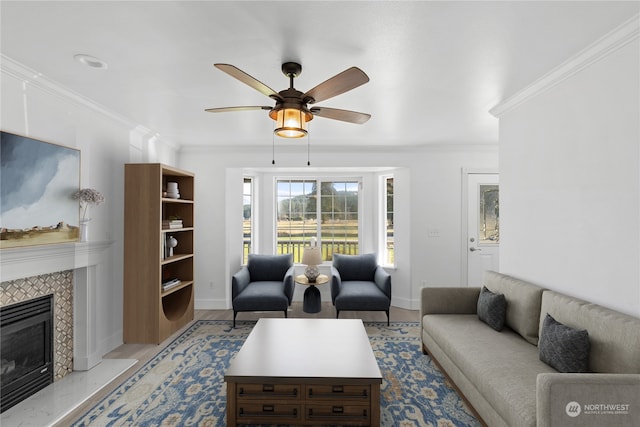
x=84, y=230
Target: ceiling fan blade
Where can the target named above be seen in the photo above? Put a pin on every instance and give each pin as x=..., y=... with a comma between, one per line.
x=248, y=80
x=242, y=108
x=343, y=115
x=340, y=83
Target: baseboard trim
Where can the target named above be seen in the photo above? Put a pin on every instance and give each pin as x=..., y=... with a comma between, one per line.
x=211, y=304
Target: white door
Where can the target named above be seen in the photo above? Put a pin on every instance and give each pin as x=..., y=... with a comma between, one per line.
x=483, y=226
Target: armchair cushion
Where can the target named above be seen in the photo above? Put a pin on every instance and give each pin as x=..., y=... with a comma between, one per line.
x=361, y=295
x=269, y=267
x=263, y=296
x=356, y=267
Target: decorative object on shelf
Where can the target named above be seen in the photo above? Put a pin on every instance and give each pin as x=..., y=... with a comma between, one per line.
x=312, y=257
x=84, y=230
x=87, y=197
x=172, y=223
x=172, y=190
x=171, y=243
x=171, y=283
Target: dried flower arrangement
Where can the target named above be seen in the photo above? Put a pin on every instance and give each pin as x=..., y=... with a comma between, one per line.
x=87, y=197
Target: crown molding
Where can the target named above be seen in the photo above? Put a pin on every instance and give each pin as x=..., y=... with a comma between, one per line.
x=31, y=77
x=609, y=43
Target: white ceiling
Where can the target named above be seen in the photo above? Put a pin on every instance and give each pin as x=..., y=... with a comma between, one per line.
x=436, y=68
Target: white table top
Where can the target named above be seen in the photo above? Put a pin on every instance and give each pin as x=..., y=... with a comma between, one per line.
x=306, y=348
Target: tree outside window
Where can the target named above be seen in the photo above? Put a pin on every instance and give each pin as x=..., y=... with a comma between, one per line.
x=334, y=222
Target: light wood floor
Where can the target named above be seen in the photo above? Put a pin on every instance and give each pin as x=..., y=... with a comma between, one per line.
x=145, y=352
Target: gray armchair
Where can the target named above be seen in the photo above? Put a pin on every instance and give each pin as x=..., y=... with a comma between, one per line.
x=264, y=284
x=359, y=283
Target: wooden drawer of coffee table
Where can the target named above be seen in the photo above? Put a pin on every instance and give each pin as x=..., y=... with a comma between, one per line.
x=352, y=393
x=268, y=391
x=270, y=413
x=342, y=413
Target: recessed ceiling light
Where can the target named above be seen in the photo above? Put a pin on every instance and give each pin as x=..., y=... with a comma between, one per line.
x=90, y=61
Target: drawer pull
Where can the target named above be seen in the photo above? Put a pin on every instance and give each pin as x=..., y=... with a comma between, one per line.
x=338, y=413
x=339, y=389
x=267, y=389
x=267, y=411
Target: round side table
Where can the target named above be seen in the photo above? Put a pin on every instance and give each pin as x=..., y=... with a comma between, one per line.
x=311, y=302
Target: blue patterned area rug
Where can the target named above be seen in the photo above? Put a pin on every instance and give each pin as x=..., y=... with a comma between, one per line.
x=183, y=385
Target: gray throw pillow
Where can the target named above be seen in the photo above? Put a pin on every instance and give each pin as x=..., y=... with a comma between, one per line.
x=492, y=309
x=563, y=348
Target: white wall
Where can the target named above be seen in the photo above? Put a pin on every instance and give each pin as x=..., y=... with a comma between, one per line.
x=41, y=109
x=428, y=196
x=570, y=183
x=428, y=190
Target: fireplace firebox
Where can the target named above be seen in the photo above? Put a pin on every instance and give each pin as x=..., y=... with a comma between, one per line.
x=27, y=349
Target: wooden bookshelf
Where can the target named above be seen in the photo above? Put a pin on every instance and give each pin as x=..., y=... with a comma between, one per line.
x=152, y=314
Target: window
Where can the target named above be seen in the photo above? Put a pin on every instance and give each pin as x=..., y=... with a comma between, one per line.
x=388, y=254
x=333, y=222
x=489, y=215
x=247, y=219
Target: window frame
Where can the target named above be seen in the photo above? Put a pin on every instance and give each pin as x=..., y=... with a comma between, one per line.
x=319, y=181
x=383, y=248
x=252, y=221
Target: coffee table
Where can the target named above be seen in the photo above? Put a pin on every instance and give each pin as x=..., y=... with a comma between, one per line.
x=304, y=372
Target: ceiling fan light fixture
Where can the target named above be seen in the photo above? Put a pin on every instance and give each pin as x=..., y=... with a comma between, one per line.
x=291, y=122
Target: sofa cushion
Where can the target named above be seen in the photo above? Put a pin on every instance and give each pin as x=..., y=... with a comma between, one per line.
x=356, y=267
x=614, y=337
x=523, y=303
x=492, y=309
x=503, y=367
x=564, y=348
x=268, y=267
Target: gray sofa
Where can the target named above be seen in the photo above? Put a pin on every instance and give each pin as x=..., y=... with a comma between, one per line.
x=500, y=373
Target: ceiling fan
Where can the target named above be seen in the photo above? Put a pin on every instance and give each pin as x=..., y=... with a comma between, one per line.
x=291, y=111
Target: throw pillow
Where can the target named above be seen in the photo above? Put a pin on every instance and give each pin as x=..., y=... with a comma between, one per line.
x=492, y=309
x=564, y=348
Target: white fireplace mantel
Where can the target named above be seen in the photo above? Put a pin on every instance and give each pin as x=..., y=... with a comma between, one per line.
x=83, y=258
x=18, y=263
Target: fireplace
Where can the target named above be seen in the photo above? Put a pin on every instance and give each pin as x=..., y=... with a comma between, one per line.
x=27, y=349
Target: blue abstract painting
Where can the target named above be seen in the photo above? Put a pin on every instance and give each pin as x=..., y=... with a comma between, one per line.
x=37, y=183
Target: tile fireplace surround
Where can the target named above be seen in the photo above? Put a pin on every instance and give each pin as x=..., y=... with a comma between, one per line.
x=69, y=272
x=60, y=285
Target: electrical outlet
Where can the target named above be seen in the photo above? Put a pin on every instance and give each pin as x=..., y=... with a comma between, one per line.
x=433, y=232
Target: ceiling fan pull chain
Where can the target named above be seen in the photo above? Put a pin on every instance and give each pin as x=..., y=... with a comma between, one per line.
x=308, y=145
x=273, y=146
